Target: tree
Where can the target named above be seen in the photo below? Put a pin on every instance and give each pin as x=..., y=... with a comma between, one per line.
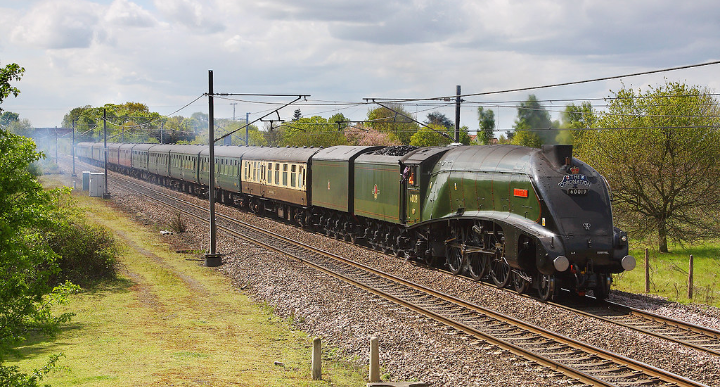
x=394, y=121
x=358, y=135
x=534, y=118
x=575, y=120
x=128, y=122
x=524, y=136
x=9, y=73
x=437, y=118
x=340, y=120
x=437, y=135
x=313, y=131
x=175, y=129
x=21, y=128
x=7, y=118
x=659, y=153
x=297, y=114
x=27, y=214
x=487, y=125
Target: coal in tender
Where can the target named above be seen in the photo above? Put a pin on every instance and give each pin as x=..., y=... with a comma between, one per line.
x=397, y=150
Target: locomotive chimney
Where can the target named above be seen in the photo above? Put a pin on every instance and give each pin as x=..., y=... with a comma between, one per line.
x=558, y=155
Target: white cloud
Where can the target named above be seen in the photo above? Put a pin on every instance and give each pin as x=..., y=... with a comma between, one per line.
x=58, y=24
x=194, y=14
x=127, y=13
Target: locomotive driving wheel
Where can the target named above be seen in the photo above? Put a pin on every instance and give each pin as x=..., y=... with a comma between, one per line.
x=520, y=283
x=546, y=287
x=478, y=265
x=454, y=259
x=500, y=270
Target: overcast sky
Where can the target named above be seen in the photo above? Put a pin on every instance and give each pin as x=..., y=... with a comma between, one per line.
x=158, y=52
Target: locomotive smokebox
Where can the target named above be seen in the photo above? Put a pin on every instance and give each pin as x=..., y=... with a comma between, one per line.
x=558, y=155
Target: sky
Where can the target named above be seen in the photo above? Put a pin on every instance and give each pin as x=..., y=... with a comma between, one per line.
x=158, y=52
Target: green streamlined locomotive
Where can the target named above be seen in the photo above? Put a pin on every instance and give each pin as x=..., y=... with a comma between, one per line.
x=526, y=217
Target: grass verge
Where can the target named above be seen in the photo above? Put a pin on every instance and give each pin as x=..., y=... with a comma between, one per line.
x=669, y=273
x=170, y=321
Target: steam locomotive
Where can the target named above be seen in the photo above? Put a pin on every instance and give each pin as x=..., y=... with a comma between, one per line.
x=520, y=217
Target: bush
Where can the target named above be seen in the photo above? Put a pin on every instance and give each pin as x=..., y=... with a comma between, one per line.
x=87, y=253
x=177, y=224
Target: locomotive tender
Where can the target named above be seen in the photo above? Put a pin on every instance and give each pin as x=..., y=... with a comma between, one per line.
x=523, y=216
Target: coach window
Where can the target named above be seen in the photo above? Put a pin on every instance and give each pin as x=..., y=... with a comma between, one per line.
x=302, y=178
x=285, y=175
x=277, y=174
x=293, y=176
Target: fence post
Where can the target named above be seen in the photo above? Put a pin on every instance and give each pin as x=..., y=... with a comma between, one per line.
x=690, y=279
x=374, y=360
x=647, y=271
x=317, y=360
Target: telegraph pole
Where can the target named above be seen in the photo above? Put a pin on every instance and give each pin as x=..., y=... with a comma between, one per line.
x=247, y=129
x=212, y=259
x=457, y=115
x=73, y=148
x=106, y=195
x=233, y=105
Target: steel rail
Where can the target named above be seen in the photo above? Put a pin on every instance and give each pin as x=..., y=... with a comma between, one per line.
x=652, y=318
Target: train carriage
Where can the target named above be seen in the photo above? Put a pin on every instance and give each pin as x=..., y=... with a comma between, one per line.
x=83, y=150
x=98, y=152
x=228, y=164
x=185, y=167
x=158, y=160
x=227, y=167
x=125, y=156
x=113, y=152
x=280, y=175
x=140, y=158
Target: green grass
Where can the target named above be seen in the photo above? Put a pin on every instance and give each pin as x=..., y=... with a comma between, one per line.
x=168, y=320
x=669, y=273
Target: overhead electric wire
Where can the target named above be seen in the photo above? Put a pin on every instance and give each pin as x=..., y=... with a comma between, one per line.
x=400, y=100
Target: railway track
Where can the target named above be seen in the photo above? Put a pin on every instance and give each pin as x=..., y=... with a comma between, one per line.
x=585, y=363
x=691, y=335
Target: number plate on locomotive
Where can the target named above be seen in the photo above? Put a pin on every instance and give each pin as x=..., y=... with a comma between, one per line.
x=576, y=191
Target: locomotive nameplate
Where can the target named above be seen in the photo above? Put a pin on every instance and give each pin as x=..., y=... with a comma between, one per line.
x=575, y=184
